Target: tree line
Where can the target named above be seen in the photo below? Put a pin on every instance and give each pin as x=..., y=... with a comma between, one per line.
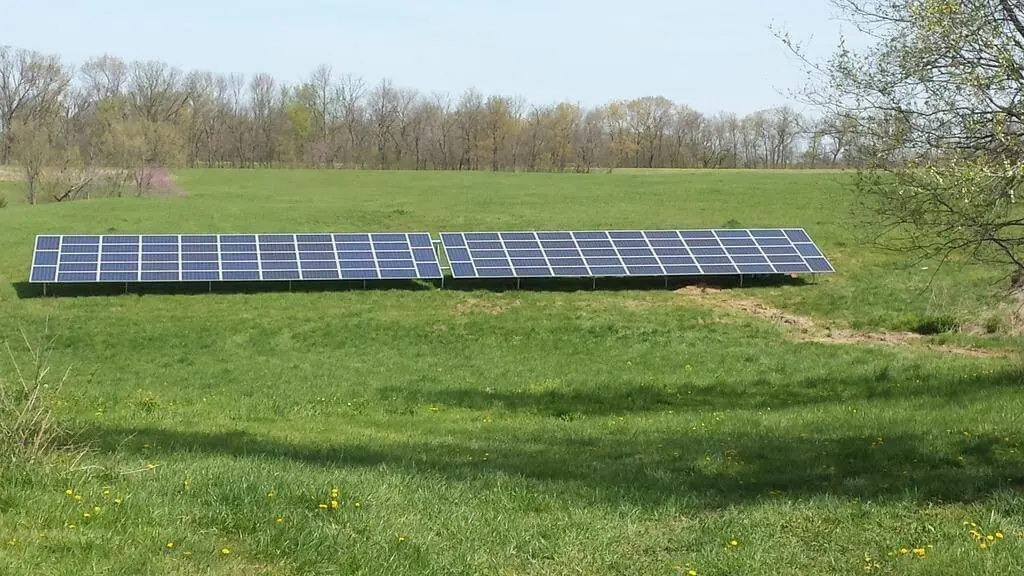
x=136, y=115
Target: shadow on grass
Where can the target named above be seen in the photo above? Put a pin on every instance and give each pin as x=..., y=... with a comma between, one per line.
x=726, y=461
x=699, y=469
x=28, y=290
x=717, y=395
x=620, y=283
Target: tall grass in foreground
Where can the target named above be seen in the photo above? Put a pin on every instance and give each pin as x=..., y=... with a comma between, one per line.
x=27, y=425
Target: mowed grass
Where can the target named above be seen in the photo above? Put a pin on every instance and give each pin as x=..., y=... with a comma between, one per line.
x=485, y=430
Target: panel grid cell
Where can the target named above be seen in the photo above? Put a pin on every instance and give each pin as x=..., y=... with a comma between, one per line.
x=229, y=257
x=597, y=253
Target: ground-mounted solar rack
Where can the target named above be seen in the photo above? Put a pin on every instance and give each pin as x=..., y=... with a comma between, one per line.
x=632, y=253
x=149, y=258
x=121, y=258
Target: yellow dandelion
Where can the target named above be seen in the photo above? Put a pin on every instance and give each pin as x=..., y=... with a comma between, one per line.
x=186, y=553
x=170, y=545
x=150, y=466
x=87, y=516
x=323, y=506
x=401, y=538
x=117, y=501
x=225, y=551
x=733, y=543
x=96, y=509
x=279, y=520
x=106, y=491
x=186, y=484
x=69, y=492
x=270, y=494
x=984, y=545
x=990, y=538
x=919, y=552
x=357, y=504
x=691, y=572
x=78, y=497
x=999, y=535
x=334, y=504
x=904, y=551
x=72, y=526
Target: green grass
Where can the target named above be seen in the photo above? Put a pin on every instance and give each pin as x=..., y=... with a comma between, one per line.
x=475, y=431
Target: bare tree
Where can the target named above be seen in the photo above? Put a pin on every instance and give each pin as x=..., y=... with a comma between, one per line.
x=383, y=114
x=27, y=80
x=263, y=106
x=470, y=121
x=445, y=131
x=104, y=77
x=351, y=90
x=32, y=148
x=497, y=125
x=157, y=92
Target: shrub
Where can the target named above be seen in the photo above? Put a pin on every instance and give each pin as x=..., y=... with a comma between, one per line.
x=930, y=324
x=27, y=425
x=993, y=324
x=3, y=202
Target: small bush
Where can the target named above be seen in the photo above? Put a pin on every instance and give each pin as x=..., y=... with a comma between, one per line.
x=27, y=426
x=3, y=202
x=733, y=223
x=994, y=324
x=930, y=324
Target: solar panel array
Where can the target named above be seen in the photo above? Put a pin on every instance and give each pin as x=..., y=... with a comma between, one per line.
x=373, y=256
x=233, y=257
x=632, y=253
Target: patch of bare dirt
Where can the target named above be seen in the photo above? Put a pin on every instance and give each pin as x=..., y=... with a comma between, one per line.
x=493, y=307
x=805, y=329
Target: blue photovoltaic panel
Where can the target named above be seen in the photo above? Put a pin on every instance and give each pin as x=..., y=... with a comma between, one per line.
x=632, y=253
x=233, y=257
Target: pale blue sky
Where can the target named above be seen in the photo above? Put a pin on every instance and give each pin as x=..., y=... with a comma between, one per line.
x=711, y=55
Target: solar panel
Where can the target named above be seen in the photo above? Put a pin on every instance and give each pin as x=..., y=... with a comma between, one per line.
x=632, y=253
x=233, y=257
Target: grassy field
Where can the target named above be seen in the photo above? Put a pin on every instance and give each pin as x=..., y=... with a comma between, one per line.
x=483, y=430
